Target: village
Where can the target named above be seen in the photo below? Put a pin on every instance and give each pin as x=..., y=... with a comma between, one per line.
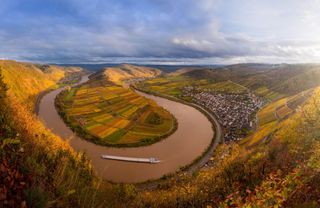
x=235, y=112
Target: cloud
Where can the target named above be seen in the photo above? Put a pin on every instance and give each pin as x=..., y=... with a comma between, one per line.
x=181, y=31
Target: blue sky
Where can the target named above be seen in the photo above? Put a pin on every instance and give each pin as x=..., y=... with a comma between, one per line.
x=160, y=31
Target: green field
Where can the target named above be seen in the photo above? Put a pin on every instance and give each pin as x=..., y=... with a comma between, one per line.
x=109, y=114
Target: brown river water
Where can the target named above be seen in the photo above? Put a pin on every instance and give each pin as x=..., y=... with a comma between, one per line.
x=192, y=137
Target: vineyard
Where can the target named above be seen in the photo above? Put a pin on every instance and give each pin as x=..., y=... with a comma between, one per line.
x=273, y=113
x=111, y=115
x=280, y=106
x=173, y=85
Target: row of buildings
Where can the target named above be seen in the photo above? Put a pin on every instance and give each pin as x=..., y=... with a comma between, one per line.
x=235, y=112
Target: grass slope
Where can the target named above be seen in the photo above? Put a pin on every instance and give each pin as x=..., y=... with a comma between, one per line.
x=25, y=81
x=23, y=77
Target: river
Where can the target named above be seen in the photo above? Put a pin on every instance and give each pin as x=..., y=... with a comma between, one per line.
x=189, y=141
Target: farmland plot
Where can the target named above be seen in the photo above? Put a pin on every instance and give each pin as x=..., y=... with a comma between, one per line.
x=109, y=114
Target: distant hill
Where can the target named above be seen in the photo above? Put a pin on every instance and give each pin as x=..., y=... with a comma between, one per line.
x=26, y=80
x=127, y=71
x=162, y=67
x=89, y=67
x=230, y=72
x=184, y=70
x=271, y=81
x=173, y=68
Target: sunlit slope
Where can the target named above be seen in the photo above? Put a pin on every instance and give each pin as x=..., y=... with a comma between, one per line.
x=271, y=116
x=127, y=71
x=39, y=166
x=109, y=114
x=291, y=154
x=26, y=80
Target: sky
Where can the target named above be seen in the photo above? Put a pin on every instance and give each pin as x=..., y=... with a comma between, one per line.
x=160, y=31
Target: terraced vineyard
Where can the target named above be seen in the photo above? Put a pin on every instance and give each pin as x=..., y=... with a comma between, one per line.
x=270, y=116
x=281, y=106
x=109, y=114
x=173, y=85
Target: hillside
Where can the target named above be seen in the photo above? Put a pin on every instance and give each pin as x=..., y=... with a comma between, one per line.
x=277, y=166
x=37, y=167
x=25, y=81
x=273, y=167
x=182, y=71
x=279, y=172
x=271, y=81
x=127, y=71
x=230, y=72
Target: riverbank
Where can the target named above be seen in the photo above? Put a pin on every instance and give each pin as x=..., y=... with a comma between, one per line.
x=217, y=138
x=182, y=148
x=70, y=80
x=64, y=106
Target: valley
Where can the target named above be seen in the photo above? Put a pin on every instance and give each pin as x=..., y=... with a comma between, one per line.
x=159, y=104
x=194, y=162
x=233, y=93
x=177, y=150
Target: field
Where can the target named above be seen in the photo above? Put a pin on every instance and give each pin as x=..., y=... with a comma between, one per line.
x=268, y=93
x=173, y=85
x=109, y=114
x=280, y=109
x=267, y=114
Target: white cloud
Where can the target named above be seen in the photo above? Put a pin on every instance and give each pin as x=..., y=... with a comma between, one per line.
x=206, y=30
